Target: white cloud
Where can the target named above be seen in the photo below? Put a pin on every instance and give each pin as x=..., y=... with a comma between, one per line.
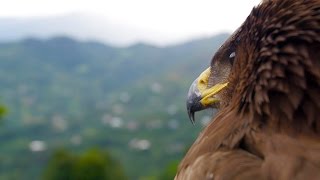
x=180, y=19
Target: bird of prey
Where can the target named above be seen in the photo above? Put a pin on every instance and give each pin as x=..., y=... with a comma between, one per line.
x=265, y=81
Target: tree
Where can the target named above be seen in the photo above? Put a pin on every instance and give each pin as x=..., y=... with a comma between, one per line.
x=3, y=111
x=91, y=165
x=60, y=166
x=170, y=171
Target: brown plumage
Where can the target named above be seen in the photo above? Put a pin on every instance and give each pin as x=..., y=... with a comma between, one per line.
x=268, y=125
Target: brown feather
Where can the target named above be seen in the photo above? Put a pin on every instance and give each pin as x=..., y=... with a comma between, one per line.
x=268, y=126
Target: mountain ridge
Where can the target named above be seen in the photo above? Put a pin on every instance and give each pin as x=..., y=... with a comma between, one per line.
x=82, y=26
x=61, y=89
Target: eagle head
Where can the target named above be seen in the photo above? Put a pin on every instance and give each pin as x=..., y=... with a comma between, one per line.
x=270, y=59
x=213, y=87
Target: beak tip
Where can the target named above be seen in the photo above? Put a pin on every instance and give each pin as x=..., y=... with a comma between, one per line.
x=191, y=116
x=193, y=101
x=191, y=113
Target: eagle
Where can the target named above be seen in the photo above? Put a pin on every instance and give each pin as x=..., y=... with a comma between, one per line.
x=265, y=82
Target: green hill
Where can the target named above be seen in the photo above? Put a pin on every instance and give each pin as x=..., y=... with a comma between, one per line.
x=78, y=95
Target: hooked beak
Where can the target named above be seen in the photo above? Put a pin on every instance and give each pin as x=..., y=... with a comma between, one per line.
x=200, y=96
x=193, y=101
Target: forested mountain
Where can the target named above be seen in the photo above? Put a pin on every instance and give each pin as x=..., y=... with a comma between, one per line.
x=63, y=93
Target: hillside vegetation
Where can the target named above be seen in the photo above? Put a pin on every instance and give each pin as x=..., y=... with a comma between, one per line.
x=61, y=93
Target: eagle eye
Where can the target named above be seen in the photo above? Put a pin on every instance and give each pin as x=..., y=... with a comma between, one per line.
x=231, y=57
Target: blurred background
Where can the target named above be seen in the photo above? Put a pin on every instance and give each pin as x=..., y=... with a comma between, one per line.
x=96, y=89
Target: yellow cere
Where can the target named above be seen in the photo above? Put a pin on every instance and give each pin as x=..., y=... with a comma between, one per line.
x=203, y=80
x=208, y=94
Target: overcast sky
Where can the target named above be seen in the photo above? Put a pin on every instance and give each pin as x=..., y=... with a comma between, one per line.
x=185, y=17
